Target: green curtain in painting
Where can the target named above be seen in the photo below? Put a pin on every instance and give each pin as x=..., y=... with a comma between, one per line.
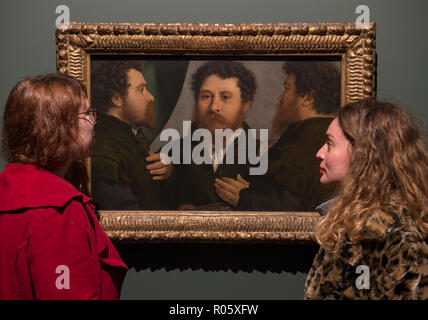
x=164, y=80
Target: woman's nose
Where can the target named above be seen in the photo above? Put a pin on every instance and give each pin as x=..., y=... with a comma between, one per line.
x=321, y=152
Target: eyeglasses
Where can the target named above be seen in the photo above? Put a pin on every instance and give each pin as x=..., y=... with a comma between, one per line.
x=91, y=112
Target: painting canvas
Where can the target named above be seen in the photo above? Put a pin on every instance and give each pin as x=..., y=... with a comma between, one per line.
x=120, y=180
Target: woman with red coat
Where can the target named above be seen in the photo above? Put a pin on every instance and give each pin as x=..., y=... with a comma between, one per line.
x=51, y=243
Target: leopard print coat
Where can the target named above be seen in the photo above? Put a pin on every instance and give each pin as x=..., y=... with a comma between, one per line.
x=397, y=263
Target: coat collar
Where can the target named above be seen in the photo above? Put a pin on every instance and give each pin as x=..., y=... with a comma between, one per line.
x=28, y=186
x=325, y=206
x=117, y=125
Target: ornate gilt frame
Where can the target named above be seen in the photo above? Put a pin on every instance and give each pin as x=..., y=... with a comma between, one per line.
x=75, y=44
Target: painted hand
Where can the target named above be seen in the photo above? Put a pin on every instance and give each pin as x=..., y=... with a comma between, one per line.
x=157, y=168
x=228, y=189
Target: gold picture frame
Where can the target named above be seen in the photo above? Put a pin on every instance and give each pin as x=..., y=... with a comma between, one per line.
x=356, y=46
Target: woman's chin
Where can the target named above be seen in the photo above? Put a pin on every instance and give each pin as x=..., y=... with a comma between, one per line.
x=327, y=182
x=324, y=179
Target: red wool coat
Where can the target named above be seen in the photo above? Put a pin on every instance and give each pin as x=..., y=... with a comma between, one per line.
x=51, y=243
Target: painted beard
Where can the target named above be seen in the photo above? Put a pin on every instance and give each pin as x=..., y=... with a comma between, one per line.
x=279, y=124
x=282, y=119
x=149, y=120
x=213, y=121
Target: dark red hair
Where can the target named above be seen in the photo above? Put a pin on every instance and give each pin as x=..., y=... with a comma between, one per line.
x=40, y=122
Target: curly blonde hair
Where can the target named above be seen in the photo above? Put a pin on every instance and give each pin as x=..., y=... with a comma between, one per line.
x=388, y=166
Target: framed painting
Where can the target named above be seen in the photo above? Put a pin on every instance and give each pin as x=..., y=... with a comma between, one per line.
x=208, y=132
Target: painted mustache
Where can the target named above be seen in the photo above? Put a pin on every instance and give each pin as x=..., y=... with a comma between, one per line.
x=211, y=121
x=215, y=117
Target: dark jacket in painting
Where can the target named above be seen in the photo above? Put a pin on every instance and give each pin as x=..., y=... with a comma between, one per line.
x=194, y=183
x=292, y=182
x=120, y=180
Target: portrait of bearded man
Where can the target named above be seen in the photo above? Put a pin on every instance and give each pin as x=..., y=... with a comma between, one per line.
x=223, y=92
x=126, y=175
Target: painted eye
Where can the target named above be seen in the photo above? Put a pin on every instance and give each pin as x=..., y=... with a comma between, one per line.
x=205, y=96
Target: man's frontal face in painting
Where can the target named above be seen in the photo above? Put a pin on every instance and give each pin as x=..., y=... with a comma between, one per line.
x=138, y=107
x=219, y=104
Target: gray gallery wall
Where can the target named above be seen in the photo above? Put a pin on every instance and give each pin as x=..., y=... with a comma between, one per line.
x=28, y=48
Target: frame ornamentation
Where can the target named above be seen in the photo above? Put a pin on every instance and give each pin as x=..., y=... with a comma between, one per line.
x=76, y=43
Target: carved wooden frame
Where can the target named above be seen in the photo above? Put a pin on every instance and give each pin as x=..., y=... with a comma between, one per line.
x=75, y=44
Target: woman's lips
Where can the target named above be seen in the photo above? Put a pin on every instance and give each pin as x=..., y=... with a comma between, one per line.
x=322, y=170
